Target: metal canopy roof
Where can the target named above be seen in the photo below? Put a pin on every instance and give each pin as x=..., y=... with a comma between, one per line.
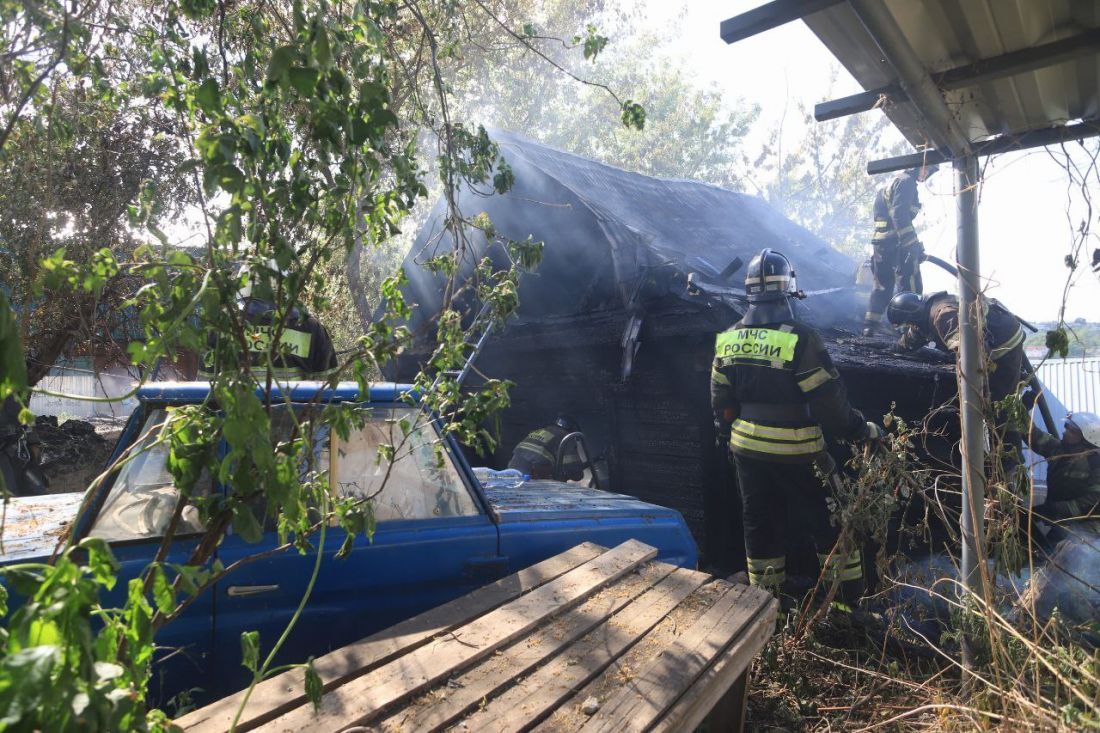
x=957, y=76
x=946, y=35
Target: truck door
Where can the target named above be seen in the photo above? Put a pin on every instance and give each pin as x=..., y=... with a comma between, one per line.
x=433, y=542
x=133, y=517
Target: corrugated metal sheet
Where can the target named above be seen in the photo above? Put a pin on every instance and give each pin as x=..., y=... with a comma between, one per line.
x=1073, y=385
x=946, y=34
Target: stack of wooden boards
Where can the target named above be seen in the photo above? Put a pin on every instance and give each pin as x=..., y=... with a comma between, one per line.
x=592, y=640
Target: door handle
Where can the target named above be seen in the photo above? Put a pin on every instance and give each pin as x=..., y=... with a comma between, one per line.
x=243, y=591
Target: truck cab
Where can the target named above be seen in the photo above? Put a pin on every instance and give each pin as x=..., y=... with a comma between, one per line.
x=439, y=533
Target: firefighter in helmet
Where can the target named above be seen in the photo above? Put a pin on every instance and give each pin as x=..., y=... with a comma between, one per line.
x=935, y=318
x=896, y=250
x=775, y=387
x=305, y=347
x=537, y=454
x=1073, y=468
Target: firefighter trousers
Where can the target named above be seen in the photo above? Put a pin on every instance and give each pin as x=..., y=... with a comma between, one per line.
x=778, y=496
x=896, y=269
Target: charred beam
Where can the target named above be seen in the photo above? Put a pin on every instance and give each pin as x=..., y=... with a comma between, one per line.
x=995, y=146
x=771, y=15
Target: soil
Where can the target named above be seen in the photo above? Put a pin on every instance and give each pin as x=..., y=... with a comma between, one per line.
x=75, y=451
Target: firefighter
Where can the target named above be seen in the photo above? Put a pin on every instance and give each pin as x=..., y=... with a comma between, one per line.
x=775, y=387
x=1073, y=468
x=537, y=454
x=305, y=347
x=896, y=250
x=935, y=318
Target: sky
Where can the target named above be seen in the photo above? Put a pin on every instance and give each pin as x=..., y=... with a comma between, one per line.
x=1023, y=225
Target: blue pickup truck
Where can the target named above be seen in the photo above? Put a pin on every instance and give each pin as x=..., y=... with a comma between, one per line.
x=440, y=534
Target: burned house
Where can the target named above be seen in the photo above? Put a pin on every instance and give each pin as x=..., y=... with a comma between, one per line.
x=616, y=327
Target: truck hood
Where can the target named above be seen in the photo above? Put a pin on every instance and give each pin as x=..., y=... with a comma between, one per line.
x=539, y=500
x=34, y=524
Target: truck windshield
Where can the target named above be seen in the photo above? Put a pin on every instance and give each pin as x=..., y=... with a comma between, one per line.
x=143, y=495
x=421, y=481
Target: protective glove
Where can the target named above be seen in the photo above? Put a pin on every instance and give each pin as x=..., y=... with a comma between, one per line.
x=912, y=338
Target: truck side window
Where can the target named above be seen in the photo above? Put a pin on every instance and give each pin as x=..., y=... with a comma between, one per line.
x=420, y=483
x=143, y=497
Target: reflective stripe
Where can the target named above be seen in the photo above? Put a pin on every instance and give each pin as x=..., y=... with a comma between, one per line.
x=536, y=449
x=952, y=341
x=777, y=449
x=817, y=378
x=879, y=236
x=869, y=316
x=998, y=351
x=751, y=360
x=767, y=572
x=771, y=432
x=719, y=378
x=836, y=567
x=882, y=224
x=759, y=343
x=905, y=230
x=806, y=448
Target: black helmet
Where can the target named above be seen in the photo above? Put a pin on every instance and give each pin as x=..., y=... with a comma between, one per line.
x=567, y=423
x=906, y=307
x=769, y=278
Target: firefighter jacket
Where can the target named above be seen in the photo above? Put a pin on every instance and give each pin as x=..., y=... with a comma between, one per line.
x=305, y=347
x=779, y=386
x=537, y=454
x=896, y=205
x=1003, y=333
x=1073, y=476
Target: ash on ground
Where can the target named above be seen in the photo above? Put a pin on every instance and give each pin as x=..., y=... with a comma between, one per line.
x=75, y=451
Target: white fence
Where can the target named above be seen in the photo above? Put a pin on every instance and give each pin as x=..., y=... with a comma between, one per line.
x=113, y=383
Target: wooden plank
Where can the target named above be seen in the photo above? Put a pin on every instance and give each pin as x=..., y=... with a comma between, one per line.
x=359, y=700
x=637, y=704
x=283, y=692
x=533, y=699
x=441, y=707
x=719, y=679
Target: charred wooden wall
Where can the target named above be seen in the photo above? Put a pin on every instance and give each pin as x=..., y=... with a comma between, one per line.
x=656, y=429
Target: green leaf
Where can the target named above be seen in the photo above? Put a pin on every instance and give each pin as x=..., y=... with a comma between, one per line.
x=1057, y=342
x=208, y=97
x=322, y=52
x=101, y=561
x=633, y=115
x=315, y=688
x=281, y=59
x=162, y=591
x=250, y=650
x=303, y=79
x=245, y=524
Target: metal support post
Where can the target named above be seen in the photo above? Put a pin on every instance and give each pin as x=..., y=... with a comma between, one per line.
x=971, y=377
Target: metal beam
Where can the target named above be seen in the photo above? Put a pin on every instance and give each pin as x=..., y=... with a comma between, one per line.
x=960, y=77
x=937, y=121
x=768, y=16
x=994, y=146
x=971, y=379
x=862, y=102
x=1018, y=62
